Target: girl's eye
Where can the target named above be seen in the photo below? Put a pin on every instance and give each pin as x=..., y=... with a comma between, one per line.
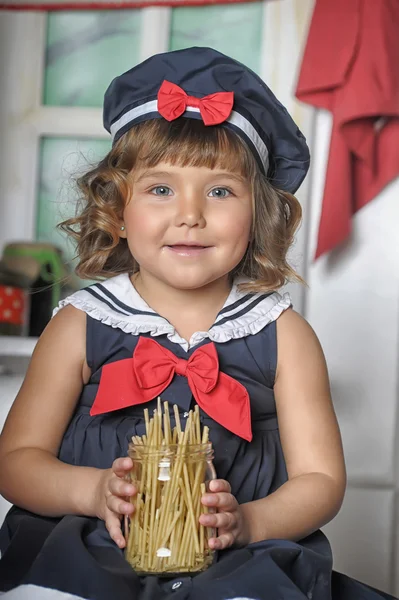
x=161, y=190
x=220, y=192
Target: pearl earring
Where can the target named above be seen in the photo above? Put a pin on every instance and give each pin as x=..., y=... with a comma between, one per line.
x=123, y=228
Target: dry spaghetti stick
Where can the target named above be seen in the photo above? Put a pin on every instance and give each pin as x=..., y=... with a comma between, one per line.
x=186, y=526
x=184, y=549
x=166, y=507
x=177, y=419
x=197, y=424
x=192, y=553
x=143, y=548
x=182, y=442
x=147, y=421
x=150, y=433
x=191, y=432
x=175, y=477
x=143, y=475
x=205, y=510
x=172, y=544
x=127, y=519
x=174, y=435
x=193, y=440
x=158, y=483
x=144, y=462
x=202, y=535
x=133, y=529
x=128, y=526
x=190, y=507
x=137, y=523
x=205, y=435
x=189, y=542
x=196, y=491
x=199, y=475
x=184, y=522
x=166, y=424
x=143, y=538
x=159, y=413
x=153, y=489
x=202, y=467
x=156, y=525
x=140, y=530
x=130, y=536
x=144, y=541
x=171, y=528
x=176, y=542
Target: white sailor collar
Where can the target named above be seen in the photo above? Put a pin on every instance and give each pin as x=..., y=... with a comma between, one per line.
x=116, y=302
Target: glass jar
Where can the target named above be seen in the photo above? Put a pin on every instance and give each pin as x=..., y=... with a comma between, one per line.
x=164, y=535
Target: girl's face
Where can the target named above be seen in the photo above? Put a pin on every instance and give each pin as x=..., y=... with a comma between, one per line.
x=188, y=226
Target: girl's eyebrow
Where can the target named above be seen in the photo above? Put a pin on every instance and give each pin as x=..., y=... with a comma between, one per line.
x=229, y=175
x=149, y=173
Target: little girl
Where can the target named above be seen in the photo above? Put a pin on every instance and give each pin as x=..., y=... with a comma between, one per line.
x=186, y=223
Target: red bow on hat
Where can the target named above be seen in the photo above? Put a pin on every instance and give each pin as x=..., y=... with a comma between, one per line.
x=173, y=102
x=145, y=376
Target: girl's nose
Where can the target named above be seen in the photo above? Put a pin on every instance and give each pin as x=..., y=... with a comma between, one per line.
x=190, y=212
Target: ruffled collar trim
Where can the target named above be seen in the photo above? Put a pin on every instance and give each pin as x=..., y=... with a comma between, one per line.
x=116, y=302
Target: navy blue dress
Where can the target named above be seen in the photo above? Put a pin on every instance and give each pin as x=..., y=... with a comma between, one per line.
x=75, y=554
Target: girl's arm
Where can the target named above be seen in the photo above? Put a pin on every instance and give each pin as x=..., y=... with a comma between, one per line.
x=310, y=438
x=30, y=474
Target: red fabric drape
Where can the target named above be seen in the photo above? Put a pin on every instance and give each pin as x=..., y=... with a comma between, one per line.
x=351, y=68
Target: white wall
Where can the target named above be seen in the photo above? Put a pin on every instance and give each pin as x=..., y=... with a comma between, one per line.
x=352, y=299
x=353, y=304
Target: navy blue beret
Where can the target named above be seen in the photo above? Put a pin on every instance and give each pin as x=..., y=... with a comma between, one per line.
x=205, y=78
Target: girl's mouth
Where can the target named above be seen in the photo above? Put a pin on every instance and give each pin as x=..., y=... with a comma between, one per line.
x=188, y=249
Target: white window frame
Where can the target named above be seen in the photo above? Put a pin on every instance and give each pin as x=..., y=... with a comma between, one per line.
x=24, y=119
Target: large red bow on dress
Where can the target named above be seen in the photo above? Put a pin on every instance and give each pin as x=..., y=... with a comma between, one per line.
x=173, y=101
x=145, y=376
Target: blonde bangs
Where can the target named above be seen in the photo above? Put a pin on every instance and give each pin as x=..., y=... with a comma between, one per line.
x=187, y=142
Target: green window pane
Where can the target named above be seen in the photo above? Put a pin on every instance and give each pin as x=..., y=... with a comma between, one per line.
x=62, y=160
x=85, y=51
x=233, y=29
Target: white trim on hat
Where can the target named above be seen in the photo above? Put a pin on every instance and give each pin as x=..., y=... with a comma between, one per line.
x=131, y=115
x=235, y=119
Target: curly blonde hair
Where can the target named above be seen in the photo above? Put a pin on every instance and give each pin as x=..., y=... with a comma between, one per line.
x=105, y=189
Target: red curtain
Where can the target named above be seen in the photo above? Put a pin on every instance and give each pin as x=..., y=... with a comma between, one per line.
x=351, y=68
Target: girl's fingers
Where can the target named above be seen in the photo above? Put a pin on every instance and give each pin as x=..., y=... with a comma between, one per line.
x=121, y=466
x=113, y=525
x=224, y=520
x=219, y=485
x=223, y=541
x=119, y=506
x=119, y=487
x=222, y=501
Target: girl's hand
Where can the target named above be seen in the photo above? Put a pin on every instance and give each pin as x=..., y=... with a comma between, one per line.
x=111, y=503
x=228, y=519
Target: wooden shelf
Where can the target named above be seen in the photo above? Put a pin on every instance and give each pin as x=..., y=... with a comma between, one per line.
x=11, y=345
